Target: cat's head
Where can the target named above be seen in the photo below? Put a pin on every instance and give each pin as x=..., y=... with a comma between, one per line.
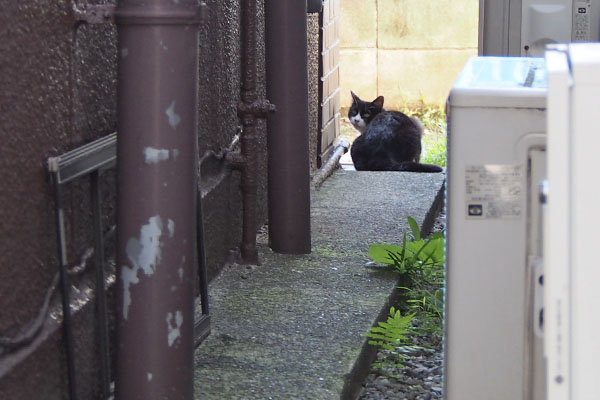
x=362, y=112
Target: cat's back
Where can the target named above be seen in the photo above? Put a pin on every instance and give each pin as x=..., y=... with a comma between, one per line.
x=391, y=124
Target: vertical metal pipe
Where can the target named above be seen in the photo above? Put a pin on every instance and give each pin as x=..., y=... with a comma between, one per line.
x=249, y=109
x=248, y=138
x=156, y=217
x=288, y=161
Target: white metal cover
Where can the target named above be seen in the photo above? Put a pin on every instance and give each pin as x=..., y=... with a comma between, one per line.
x=571, y=297
x=556, y=274
x=585, y=59
x=515, y=82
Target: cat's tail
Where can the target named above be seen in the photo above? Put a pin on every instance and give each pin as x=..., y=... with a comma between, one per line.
x=419, y=125
x=410, y=166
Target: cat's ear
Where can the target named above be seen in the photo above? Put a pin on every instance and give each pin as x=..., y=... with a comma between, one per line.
x=378, y=102
x=355, y=98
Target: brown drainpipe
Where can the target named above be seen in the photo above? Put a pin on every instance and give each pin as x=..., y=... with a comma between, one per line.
x=156, y=217
x=249, y=109
x=287, y=86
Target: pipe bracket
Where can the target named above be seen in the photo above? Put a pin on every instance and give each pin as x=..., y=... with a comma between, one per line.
x=258, y=108
x=235, y=160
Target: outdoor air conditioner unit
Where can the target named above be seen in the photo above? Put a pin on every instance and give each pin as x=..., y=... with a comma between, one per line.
x=522, y=279
x=496, y=159
x=525, y=27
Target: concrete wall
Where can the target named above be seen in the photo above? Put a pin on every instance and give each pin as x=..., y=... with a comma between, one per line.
x=57, y=91
x=219, y=91
x=405, y=49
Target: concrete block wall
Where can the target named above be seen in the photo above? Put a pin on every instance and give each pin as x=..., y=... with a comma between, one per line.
x=405, y=50
x=330, y=94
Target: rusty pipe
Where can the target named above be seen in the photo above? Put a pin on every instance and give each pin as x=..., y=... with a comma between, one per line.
x=250, y=108
x=156, y=216
x=287, y=135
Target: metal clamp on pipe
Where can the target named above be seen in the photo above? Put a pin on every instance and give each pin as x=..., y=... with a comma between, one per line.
x=258, y=108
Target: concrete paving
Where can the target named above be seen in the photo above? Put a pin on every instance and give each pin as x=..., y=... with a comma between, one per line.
x=293, y=327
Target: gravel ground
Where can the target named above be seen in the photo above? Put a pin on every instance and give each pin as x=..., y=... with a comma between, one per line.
x=419, y=378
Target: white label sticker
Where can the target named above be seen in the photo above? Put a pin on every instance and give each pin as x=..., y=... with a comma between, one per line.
x=493, y=191
x=581, y=21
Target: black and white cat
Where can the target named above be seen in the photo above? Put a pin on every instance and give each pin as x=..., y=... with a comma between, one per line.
x=389, y=140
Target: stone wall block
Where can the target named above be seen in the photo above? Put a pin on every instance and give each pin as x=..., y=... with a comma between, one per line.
x=358, y=23
x=429, y=24
x=414, y=75
x=358, y=72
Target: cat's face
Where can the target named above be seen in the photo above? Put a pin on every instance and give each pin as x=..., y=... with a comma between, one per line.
x=362, y=112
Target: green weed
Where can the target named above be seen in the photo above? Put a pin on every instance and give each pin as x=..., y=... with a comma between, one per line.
x=391, y=334
x=419, y=263
x=434, y=149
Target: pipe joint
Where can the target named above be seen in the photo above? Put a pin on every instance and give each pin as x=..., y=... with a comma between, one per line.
x=235, y=160
x=259, y=108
